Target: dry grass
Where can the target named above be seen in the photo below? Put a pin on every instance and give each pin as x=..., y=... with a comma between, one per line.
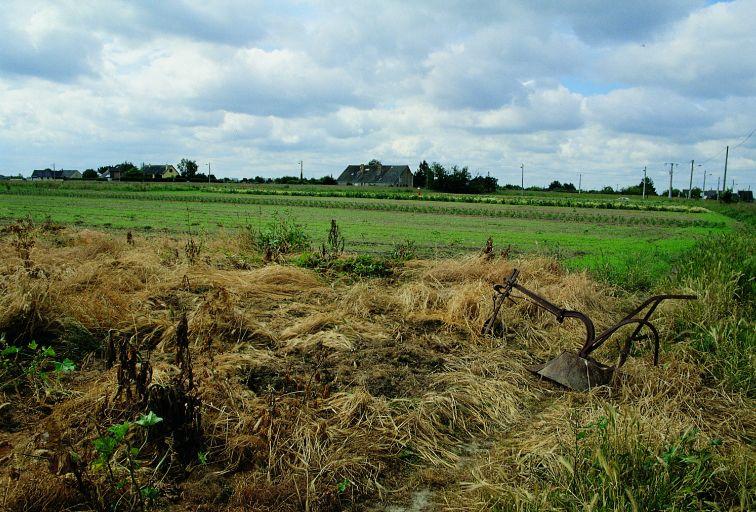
x=326, y=396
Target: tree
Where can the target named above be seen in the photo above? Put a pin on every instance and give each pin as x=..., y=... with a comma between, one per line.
x=422, y=174
x=555, y=185
x=187, y=168
x=90, y=174
x=374, y=162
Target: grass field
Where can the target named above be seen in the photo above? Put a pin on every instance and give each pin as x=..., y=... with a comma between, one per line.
x=146, y=373
x=602, y=233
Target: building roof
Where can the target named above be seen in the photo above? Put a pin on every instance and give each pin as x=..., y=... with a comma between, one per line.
x=156, y=169
x=55, y=175
x=383, y=174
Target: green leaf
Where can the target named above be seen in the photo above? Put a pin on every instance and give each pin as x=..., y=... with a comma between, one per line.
x=202, y=456
x=48, y=352
x=10, y=350
x=134, y=451
x=65, y=366
x=119, y=431
x=149, y=419
x=343, y=485
x=32, y=345
x=105, y=446
x=150, y=493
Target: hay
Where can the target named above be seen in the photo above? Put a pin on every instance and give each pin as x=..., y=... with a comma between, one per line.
x=324, y=396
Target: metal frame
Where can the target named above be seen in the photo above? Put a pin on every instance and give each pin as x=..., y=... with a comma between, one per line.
x=503, y=292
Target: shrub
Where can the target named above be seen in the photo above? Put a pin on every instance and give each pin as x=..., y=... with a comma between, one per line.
x=363, y=265
x=282, y=235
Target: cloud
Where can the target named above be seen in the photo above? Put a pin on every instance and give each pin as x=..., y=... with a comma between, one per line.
x=601, y=88
x=35, y=43
x=710, y=53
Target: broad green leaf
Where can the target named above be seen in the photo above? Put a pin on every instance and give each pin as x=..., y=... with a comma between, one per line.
x=32, y=345
x=149, y=419
x=65, y=366
x=10, y=350
x=119, y=431
x=105, y=446
x=48, y=352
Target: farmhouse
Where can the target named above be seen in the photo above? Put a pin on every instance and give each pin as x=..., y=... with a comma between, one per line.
x=160, y=172
x=62, y=174
x=377, y=174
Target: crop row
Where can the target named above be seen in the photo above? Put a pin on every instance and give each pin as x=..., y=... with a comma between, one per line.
x=361, y=193
x=504, y=200
x=514, y=213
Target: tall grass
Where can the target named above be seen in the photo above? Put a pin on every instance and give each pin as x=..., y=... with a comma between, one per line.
x=722, y=271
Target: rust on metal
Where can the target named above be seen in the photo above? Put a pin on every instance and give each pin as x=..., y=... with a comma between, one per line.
x=579, y=371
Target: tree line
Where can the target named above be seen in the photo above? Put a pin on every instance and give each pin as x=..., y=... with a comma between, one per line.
x=455, y=179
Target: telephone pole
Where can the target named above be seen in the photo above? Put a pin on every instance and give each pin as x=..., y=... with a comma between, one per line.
x=704, y=184
x=580, y=182
x=724, y=179
x=718, y=187
x=301, y=172
x=208, y=172
x=644, y=182
x=671, y=172
x=522, y=177
x=690, y=186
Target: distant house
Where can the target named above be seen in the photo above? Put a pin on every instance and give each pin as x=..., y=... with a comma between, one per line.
x=110, y=173
x=62, y=174
x=160, y=172
x=746, y=196
x=710, y=194
x=377, y=174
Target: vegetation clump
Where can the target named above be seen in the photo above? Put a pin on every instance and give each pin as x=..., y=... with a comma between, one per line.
x=279, y=237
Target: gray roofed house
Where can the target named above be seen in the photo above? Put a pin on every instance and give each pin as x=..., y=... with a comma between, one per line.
x=377, y=174
x=61, y=174
x=159, y=171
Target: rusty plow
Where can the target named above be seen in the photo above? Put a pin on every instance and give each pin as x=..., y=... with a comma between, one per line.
x=580, y=371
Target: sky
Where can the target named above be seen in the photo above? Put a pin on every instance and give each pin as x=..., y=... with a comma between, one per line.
x=565, y=87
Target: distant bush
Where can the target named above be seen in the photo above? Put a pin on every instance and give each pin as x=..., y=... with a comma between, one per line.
x=282, y=235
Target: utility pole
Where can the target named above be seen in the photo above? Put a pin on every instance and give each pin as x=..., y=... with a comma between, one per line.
x=644, y=182
x=580, y=182
x=718, y=187
x=724, y=180
x=522, y=177
x=690, y=186
x=704, y=185
x=208, y=172
x=671, y=172
x=301, y=173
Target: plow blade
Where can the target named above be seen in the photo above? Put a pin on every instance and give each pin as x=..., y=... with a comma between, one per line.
x=574, y=372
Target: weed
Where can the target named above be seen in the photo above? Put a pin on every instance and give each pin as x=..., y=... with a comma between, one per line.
x=404, y=251
x=34, y=367
x=281, y=236
x=24, y=239
x=192, y=250
x=334, y=246
x=118, y=458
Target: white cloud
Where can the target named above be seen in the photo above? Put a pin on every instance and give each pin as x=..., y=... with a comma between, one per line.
x=602, y=88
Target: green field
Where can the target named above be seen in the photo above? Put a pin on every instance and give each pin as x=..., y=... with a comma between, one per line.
x=602, y=233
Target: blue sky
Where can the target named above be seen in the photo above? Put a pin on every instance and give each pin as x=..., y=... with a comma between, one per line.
x=567, y=87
